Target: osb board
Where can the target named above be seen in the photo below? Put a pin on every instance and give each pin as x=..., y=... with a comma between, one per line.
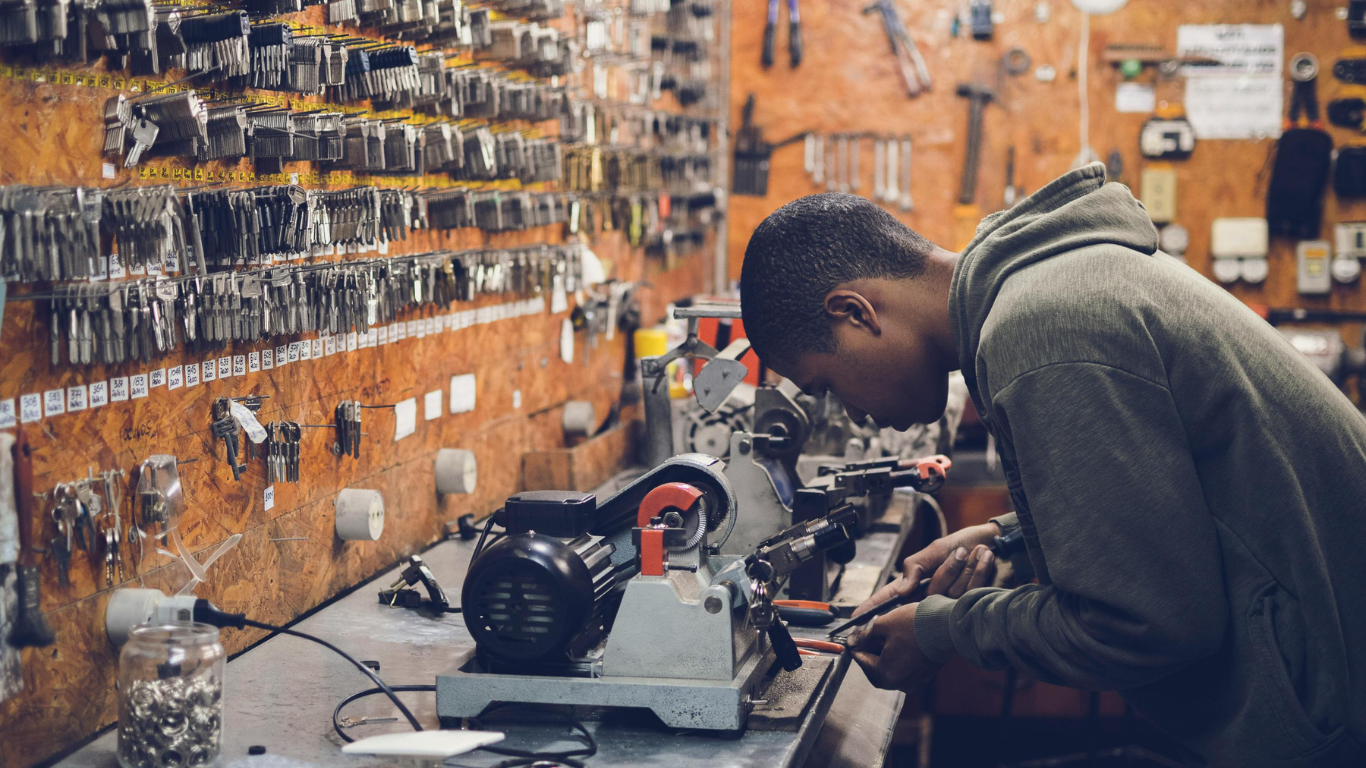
x=848, y=82
x=586, y=465
x=276, y=581
x=52, y=136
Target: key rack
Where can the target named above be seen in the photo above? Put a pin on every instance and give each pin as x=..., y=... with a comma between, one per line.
x=437, y=205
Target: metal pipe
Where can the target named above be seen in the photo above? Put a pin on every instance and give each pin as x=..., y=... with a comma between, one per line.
x=659, y=430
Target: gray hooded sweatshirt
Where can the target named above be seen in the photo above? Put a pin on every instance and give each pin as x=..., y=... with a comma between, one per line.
x=1192, y=491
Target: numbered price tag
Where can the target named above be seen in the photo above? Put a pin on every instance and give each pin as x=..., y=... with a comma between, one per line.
x=30, y=408
x=158, y=378
x=267, y=359
x=118, y=389
x=54, y=402
x=76, y=398
x=208, y=370
x=224, y=367
x=99, y=394
x=8, y=416
x=175, y=378
x=239, y=365
x=254, y=362
x=192, y=375
x=270, y=497
x=137, y=386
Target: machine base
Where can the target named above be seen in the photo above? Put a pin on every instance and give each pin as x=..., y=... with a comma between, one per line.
x=466, y=691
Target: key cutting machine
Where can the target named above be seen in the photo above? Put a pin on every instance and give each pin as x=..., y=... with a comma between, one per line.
x=761, y=461
x=629, y=603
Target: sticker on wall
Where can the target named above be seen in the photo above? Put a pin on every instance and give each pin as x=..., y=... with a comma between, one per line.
x=462, y=393
x=567, y=341
x=405, y=418
x=431, y=405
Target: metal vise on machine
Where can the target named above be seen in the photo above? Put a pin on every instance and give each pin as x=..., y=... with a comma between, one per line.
x=628, y=603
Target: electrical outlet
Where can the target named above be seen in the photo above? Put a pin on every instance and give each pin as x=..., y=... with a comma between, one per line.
x=1244, y=238
x=1314, y=275
x=1158, y=191
x=1351, y=239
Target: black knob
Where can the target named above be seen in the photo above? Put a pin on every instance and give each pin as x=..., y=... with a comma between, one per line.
x=784, y=648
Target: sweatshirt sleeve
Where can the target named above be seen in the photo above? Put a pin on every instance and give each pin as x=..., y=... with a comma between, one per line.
x=1136, y=589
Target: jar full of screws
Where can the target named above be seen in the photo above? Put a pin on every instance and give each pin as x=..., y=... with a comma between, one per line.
x=171, y=697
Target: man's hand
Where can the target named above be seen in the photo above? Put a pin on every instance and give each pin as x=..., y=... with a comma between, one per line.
x=889, y=654
x=932, y=557
x=952, y=575
x=887, y=650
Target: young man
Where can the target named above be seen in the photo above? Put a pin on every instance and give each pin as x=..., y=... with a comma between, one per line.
x=1192, y=491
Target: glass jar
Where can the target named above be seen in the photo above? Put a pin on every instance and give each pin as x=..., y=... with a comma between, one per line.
x=171, y=697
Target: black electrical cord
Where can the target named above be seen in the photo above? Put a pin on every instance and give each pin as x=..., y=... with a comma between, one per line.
x=519, y=756
x=479, y=546
x=529, y=757
x=336, y=713
x=207, y=613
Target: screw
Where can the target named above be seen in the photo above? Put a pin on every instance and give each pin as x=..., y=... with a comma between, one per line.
x=745, y=445
x=712, y=604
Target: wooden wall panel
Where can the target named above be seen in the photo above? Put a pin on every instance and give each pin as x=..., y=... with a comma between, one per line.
x=848, y=82
x=52, y=134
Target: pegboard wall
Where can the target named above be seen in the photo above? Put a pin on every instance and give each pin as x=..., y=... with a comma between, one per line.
x=289, y=559
x=848, y=82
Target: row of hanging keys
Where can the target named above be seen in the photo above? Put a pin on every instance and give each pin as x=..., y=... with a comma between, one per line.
x=113, y=323
x=347, y=419
x=49, y=233
x=282, y=451
x=224, y=425
x=91, y=521
x=54, y=233
x=147, y=318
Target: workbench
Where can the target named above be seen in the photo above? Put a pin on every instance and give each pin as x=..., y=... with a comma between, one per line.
x=280, y=694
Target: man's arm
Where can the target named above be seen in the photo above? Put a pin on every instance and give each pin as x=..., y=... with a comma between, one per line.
x=1130, y=546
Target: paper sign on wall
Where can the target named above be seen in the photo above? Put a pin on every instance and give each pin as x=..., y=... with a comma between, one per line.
x=462, y=393
x=1242, y=96
x=405, y=418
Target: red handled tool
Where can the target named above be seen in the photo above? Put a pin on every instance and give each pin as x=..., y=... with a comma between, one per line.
x=806, y=613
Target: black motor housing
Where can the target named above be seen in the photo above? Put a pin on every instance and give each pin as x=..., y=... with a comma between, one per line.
x=533, y=599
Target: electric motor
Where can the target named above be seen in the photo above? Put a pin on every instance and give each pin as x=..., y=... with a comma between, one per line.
x=532, y=598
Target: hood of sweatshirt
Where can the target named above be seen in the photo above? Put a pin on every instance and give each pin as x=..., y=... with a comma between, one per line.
x=1075, y=210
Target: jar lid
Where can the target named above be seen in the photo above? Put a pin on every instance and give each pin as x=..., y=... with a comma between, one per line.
x=174, y=634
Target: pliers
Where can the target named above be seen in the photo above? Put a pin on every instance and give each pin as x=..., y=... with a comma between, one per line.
x=794, y=33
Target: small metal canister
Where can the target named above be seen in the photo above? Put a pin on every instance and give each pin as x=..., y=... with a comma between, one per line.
x=171, y=697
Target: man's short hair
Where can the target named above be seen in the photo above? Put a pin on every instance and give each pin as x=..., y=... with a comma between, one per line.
x=804, y=250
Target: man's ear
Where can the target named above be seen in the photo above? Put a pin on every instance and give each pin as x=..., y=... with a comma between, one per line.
x=846, y=306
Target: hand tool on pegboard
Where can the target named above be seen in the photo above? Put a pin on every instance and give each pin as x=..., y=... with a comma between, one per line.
x=30, y=626
x=967, y=214
x=914, y=73
x=753, y=153
x=794, y=33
